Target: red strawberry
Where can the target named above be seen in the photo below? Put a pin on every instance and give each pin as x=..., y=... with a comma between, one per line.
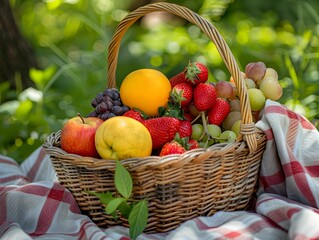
x=185, y=129
x=134, y=114
x=193, y=144
x=162, y=129
x=204, y=96
x=218, y=112
x=183, y=92
x=172, y=147
x=178, y=78
x=189, y=117
x=196, y=73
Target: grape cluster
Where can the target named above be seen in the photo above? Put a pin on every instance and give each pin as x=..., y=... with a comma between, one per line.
x=108, y=104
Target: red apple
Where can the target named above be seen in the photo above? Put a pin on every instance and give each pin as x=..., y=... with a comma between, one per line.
x=78, y=136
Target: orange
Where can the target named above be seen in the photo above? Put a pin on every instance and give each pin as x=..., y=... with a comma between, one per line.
x=146, y=90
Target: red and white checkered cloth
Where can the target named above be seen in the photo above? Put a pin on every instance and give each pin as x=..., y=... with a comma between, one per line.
x=33, y=205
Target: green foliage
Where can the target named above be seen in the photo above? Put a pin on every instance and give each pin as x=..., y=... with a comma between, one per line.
x=70, y=39
x=123, y=181
x=135, y=212
x=138, y=219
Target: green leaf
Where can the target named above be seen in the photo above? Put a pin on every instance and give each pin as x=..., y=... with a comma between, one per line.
x=9, y=106
x=214, y=9
x=113, y=205
x=41, y=77
x=138, y=219
x=123, y=180
x=23, y=109
x=105, y=198
x=125, y=209
x=161, y=111
x=292, y=72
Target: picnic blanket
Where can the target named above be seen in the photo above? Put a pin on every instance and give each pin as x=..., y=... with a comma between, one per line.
x=33, y=205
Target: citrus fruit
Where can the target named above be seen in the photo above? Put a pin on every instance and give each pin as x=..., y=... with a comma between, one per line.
x=146, y=90
x=122, y=137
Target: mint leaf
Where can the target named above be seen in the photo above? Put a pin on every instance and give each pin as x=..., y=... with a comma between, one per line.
x=123, y=180
x=105, y=198
x=125, y=209
x=113, y=204
x=138, y=219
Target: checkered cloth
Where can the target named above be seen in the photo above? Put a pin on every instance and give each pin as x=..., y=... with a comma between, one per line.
x=33, y=205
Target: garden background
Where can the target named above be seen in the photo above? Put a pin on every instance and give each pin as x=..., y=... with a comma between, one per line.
x=53, y=55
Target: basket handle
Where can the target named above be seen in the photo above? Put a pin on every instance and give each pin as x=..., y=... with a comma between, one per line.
x=247, y=124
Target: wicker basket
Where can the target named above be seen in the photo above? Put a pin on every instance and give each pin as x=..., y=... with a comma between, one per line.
x=178, y=187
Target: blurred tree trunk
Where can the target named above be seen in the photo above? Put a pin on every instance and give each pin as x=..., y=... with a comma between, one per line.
x=16, y=55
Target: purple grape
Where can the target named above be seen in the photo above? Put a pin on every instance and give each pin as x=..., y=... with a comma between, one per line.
x=107, y=98
x=117, y=110
x=116, y=96
x=108, y=104
x=117, y=103
x=101, y=108
x=105, y=115
x=94, y=102
x=125, y=108
x=109, y=93
x=111, y=115
x=93, y=114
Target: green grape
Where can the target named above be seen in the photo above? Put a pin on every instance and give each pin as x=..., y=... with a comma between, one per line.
x=214, y=130
x=230, y=119
x=250, y=83
x=257, y=99
x=197, y=131
x=271, y=88
x=270, y=73
x=236, y=127
x=202, y=144
x=227, y=136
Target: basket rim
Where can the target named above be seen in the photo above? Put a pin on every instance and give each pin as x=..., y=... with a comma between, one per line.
x=52, y=147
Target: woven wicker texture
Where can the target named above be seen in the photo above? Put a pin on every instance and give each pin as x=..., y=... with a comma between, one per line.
x=178, y=187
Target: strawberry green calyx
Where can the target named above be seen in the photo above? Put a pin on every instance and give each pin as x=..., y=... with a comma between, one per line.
x=196, y=72
x=192, y=71
x=177, y=97
x=183, y=141
x=171, y=111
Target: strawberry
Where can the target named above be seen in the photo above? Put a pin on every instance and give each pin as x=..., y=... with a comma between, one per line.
x=178, y=78
x=204, y=96
x=185, y=129
x=172, y=147
x=218, y=112
x=134, y=114
x=193, y=144
x=196, y=73
x=183, y=92
x=162, y=129
x=189, y=117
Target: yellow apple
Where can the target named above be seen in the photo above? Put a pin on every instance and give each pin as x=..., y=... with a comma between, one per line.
x=123, y=137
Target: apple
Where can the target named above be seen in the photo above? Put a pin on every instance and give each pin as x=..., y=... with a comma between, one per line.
x=122, y=137
x=78, y=135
